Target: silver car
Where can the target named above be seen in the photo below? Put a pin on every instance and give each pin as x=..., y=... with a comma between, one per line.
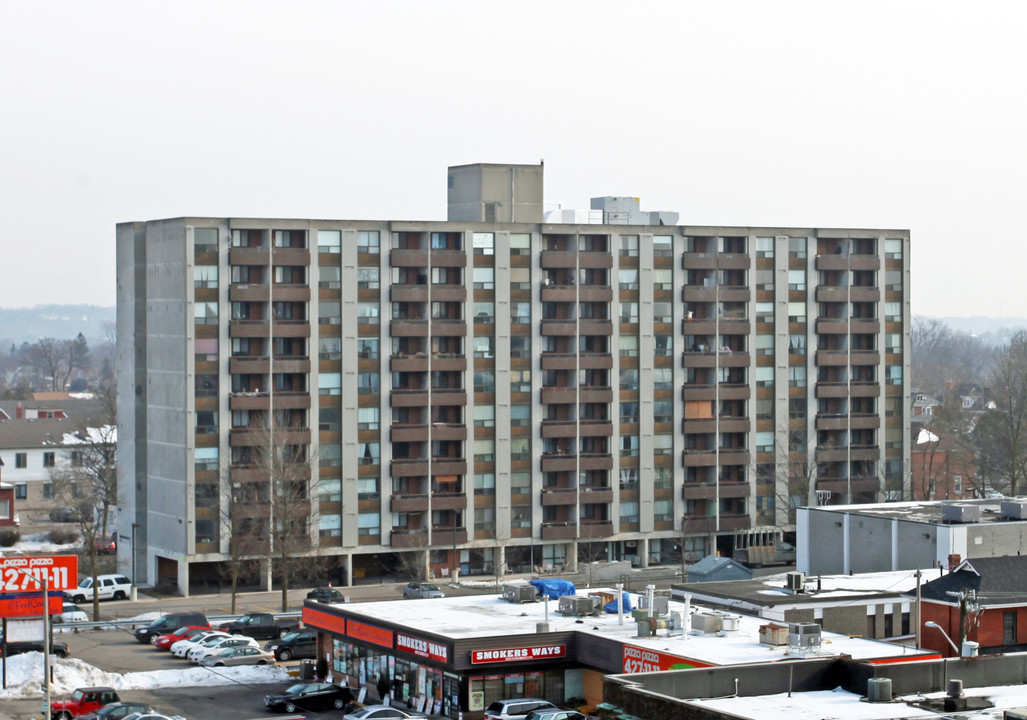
x=244, y=655
x=417, y=590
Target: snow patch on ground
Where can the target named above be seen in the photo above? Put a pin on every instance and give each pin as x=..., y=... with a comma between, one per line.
x=39, y=544
x=25, y=674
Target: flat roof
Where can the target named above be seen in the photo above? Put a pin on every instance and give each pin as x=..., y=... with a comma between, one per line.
x=925, y=512
x=490, y=617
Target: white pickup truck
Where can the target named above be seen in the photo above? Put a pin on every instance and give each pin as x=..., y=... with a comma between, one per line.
x=110, y=587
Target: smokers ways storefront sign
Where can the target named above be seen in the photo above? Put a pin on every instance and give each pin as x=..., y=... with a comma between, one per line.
x=518, y=654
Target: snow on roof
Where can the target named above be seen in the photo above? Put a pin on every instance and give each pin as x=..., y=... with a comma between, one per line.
x=95, y=436
x=926, y=436
x=487, y=616
x=842, y=705
x=25, y=673
x=844, y=586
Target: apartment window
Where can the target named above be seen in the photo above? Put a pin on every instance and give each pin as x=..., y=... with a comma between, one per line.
x=663, y=378
x=764, y=247
x=329, y=277
x=368, y=348
x=663, y=478
x=628, y=278
x=663, y=246
x=368, y=278
x=893, y=248
x=764, y=279
x=368, y=418
x=520, y=381
x=367, y=313
x=329, y=241
x=628, y=346
x=797, y=344
x=629, y=379
x=206, y=458
x=629, y=245
x=484, y=450
x=797, y=408
x=205, y=276
x=368, y=383
x=629, y=312
x=663, y=444
x=764, y=377
x=663, y=312
x=764, y=344
x=520, y=312
x=484, y=346
x=520, y=448
x=764, y=442
x=796, y=247
x=205, y=313
x=663, y=411
x=369, y=453
x=49, y=459
x=629, y=512
x=484, y=416
x=329, y=313
x=664, y=345
x=483, y=243
x=329, y=455
x=520, y=279
x=367, y=489
x=520, y=346
x=369, y=523
x=663, y=511
x=663, y=279
x=796, y=376
x=368, y=242
x=629, y=445
x=796, y=279
x=484, y=278
x=520, y=244
x=796, y=312
x=328, y=419
x=21, y=460
x=629, y=412
x=484, y=381
x=21, y=491
x=764, y=409
x=893, y=312
x=520, y=415
x=205, y=240
x=894, y=374
x=329, y=383
x=764, y=312
x=892, y=279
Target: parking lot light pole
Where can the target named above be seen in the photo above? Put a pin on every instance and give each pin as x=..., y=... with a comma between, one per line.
x=45, y=584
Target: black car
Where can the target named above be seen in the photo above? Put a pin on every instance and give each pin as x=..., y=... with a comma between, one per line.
x=310, y=696
x=326, y=595
x=116, y=711
x=299, y=644
x=17, y=648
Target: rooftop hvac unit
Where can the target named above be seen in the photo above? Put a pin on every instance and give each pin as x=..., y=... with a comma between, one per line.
x=795, y=581
x=1014, y=510
x=661, y=604
x=879, y=690
x=519, y=593
x=773, y=634
x=707, y=622
x=730, y=623
x=577, y=606
x=953, y=513
x=804, y=638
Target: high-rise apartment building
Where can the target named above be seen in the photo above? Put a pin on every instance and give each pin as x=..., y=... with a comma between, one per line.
x=497, y=392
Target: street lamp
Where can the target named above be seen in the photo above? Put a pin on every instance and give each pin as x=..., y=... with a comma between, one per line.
x=939, y=628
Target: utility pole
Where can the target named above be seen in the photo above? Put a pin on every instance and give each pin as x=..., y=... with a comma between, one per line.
x=918, y=620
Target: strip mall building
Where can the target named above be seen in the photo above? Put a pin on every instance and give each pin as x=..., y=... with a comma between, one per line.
x=455, y=656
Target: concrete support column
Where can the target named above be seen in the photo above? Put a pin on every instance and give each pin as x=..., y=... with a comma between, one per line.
x=267, y=575
x=643, y=553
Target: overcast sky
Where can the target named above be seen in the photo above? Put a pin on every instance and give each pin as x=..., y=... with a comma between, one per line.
x=884, y=114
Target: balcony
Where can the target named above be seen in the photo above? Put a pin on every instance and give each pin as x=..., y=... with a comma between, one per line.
x=291, y=328
x=401, y=503
x=864, y=421
x=832, y=358
x=595, y=293
x=251, y=437
x=593, y=495
x=595, y=428
x=448, y=431
x=248, y=256
x=249, y=328
x=559, y=428
x=291, y=364
x=698, y=261
x=409, y=467
x=559, y=496
x=448, y=536
x=448, y=258
x=559, y=463
x=860, y=388
x=733, y=261
x=587, y=394
x=564, y=327
x=699, y=491
x=865, y=357
x=248, y=292
x=729, y=423
x=408, y=327
x=292, y=292
x=448, y=466
x=408, y=433
x=864, y=262
x=594, y=529
x=559, y=531
x=291, y=256
x=734, y=456
x=832, y=390
x=864, y=294
x=408, y=293
x=409, y=363
x=695, y=457
x=558, y=293
x=832, y=293
x=704, y=425
x=448, y=501
x=408, y=538
x=589, y=326
x=558, y=259
x=249, y=365
x=842, y=486
x=408, y=398
x=448, y=361
x=827, y=421
x=448, y=293
x=559, y=361
x=595, y=361
x=445, y=327
x=408, y=258
x=559, y=395
x=832, y=262
x=448, y=396
x=587, y=259
x=862, y=453
x=864, y=326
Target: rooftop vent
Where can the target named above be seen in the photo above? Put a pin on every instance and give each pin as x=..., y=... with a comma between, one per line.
x=520, y=593
x=953, y=513
x=578, y=606
x=795, y=581
x=1014, y=510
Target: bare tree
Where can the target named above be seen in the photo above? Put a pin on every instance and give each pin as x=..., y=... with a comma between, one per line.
x=239, y=504
x=47, y=356
x=1001, y=432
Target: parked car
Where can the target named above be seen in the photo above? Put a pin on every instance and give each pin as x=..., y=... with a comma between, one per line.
x=17, y=648
x=299, y=644
x=416, y=590
x=153, y=715
x=309, y=696
x=70, y=613
x=117, y=711
x=108, y=587
x=214, y=645
x=165, y=641
x=242, y=655
x=82, y=702
x=261, y=625
x=182, y=647
x=169, y=623
x=516, y=709
x=64, y=515
x=380, y=712
x=105, y=544
x=556, y=715
x=326, y=595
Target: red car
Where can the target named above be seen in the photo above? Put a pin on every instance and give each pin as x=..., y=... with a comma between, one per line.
x=165, y=641
x=83, y=701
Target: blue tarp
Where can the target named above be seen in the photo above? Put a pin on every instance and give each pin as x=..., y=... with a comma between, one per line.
x=553, y=588
x=625, y=604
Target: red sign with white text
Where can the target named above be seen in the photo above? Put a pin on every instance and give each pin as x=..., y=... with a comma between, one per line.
x=536, y=652
x=638, y=659
x=422, y=648
x=18, y=605
x=26, y=574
